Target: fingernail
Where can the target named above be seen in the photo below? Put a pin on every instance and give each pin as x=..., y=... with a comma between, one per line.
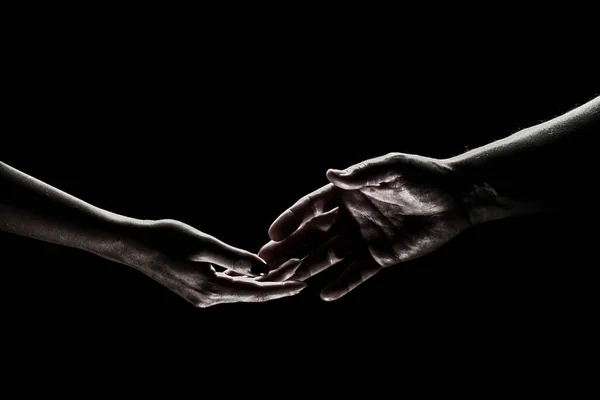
x=259, y=269
x=337, y=171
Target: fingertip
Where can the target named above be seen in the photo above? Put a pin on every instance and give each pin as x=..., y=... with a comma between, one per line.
x=270, y=253
x=332, y=172
x=297, y=285
x=333, y=175
x=328, y=296
x=277, y=231
x=333, y=291
x=341, y=179
x=257, y=265
x=259, y=268
x=263, y=253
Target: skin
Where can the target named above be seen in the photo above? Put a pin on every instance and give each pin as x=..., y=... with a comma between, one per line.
x=175, y=254
x=398, y=207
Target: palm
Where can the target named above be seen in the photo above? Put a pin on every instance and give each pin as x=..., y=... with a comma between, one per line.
x=403, y=218
x=181, y=258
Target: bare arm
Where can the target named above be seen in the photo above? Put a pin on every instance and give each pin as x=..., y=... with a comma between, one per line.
x=176, y=255
x=34, y=209
x=399, y=207
x=544, y=167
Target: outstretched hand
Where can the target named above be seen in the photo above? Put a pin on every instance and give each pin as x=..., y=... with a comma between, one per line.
x=181, y=258
x=373, y=215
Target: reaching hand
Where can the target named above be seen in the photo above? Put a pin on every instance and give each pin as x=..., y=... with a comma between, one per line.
x=373, y=215
x=180, y=257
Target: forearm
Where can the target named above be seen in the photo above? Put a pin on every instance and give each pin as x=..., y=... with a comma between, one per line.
x=545, y=167
x=34, y=209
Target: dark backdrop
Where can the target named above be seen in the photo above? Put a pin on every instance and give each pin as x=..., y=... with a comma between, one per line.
x=227, y=141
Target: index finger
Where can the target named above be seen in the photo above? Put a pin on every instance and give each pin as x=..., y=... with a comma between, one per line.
x=241, y=289
x=308, y=207
x=217, y=252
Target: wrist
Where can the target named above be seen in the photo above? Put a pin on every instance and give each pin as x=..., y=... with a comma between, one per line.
x=480, y=201
x=479, y=198
x=485, y=196
x=117, y=239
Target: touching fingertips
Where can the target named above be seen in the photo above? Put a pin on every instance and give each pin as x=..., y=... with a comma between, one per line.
x=259, y=268
x=266, y=252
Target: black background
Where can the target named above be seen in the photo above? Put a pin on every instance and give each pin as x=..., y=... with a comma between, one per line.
x=225, y=136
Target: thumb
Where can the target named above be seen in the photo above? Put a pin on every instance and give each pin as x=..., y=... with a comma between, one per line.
x=366, y=173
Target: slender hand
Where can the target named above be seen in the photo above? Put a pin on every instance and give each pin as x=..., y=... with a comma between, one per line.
x=399, y=207
x=174, y=254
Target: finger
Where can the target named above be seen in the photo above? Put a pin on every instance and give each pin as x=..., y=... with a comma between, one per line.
x=277, y=263
x=332, y=252
x=316, y=230
x=242, y=289
x=283, y=273
x=229, y=257
x=354, y=275
x=366, y=173
x=306, y=208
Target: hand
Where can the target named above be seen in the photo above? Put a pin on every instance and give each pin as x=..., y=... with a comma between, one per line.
x=373, y=215
x=179, y=257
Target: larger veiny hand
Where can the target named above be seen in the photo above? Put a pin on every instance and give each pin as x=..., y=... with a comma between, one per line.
x=373, y=215
x=180, y=257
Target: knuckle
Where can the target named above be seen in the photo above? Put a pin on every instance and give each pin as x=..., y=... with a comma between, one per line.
x=394, y=158
x=360, y=166
x=311, y=204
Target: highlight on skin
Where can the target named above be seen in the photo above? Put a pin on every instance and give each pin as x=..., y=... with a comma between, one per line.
x=398, y=207
x=175, y=254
